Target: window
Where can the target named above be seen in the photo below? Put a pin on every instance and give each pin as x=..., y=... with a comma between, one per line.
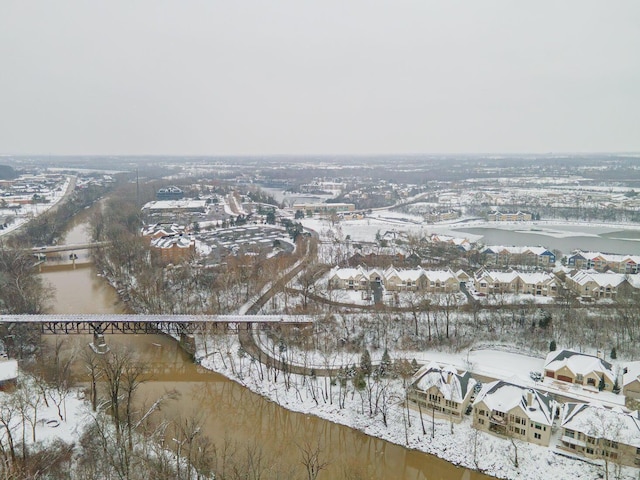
x=537, y=436
x=569, y=433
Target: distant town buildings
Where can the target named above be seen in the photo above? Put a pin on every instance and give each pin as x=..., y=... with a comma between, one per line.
x=176, y=206
x=325, y=208
x=174, y=248
x=441, y=216
x=169, y=193
x=497, y=216
x=524, y=256
x=602, y=262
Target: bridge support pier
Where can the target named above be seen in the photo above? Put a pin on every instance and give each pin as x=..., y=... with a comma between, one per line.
x=188, y=342
x=99, y=344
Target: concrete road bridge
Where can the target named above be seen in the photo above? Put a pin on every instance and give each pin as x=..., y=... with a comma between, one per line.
x=68, y=248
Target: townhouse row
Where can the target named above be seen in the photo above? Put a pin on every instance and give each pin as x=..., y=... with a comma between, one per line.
x=529, y=414
x=602, y=262
x=581, y=283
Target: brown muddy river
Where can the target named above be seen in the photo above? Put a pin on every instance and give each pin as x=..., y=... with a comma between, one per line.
x=233, y=412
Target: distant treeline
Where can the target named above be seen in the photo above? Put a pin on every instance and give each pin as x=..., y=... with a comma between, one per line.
x=7, y=172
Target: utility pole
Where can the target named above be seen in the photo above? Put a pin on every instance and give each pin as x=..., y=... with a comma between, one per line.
x=137, y=190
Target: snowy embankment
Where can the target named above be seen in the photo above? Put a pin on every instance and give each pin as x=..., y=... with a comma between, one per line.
x=459, y=444
x=42, y=422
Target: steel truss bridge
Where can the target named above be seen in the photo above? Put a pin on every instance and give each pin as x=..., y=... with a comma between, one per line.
x=97, y=324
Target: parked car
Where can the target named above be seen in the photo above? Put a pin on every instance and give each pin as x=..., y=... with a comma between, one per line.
x=535, y=376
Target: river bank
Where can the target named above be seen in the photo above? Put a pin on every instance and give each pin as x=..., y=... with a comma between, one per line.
x=482, y=454
x=460, y=446
x=229, y=409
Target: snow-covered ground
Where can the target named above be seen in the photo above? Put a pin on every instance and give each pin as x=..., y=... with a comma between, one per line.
x=48, y=425
x=28, y=210
x=365, y=230
x=455, y=443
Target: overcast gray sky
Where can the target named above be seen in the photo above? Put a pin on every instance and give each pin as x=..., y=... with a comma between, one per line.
x=269, y=77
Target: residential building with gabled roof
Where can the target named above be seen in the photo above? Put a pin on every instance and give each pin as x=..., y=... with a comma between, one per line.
x=631, y=380
x=594, y=431
x=498, y=216
x=518, y=256
x=395, y=279
x=580, y=368
x=462, y=243
x=174, y=248
x=158, y=230
x=349, y=278
x=539, y=284
x=514, y=411
x=442, y=391
x=602, y=262
x=442, y=281
x=170, y=193
x=595, y=285
x=491, y=282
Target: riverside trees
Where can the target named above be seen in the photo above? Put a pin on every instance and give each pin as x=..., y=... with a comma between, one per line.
x=154, y=286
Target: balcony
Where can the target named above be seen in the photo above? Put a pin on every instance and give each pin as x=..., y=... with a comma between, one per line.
x=573, y=441
x=497, y=419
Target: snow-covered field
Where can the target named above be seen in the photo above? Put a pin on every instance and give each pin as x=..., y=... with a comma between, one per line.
x=29, y=211
x=455, y=443
x=388, y=220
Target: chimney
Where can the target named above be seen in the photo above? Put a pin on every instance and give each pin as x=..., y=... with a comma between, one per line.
x=600, y=354
x=449, y=376
x=529, y=398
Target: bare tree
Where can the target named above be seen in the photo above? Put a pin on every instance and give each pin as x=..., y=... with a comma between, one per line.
x=311, y=459
x=92, y=366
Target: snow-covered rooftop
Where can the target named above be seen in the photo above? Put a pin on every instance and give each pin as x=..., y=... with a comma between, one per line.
x=8, y=370
x=446, y=379
x=578, y=363
x=597, y=421
x=503, y=397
